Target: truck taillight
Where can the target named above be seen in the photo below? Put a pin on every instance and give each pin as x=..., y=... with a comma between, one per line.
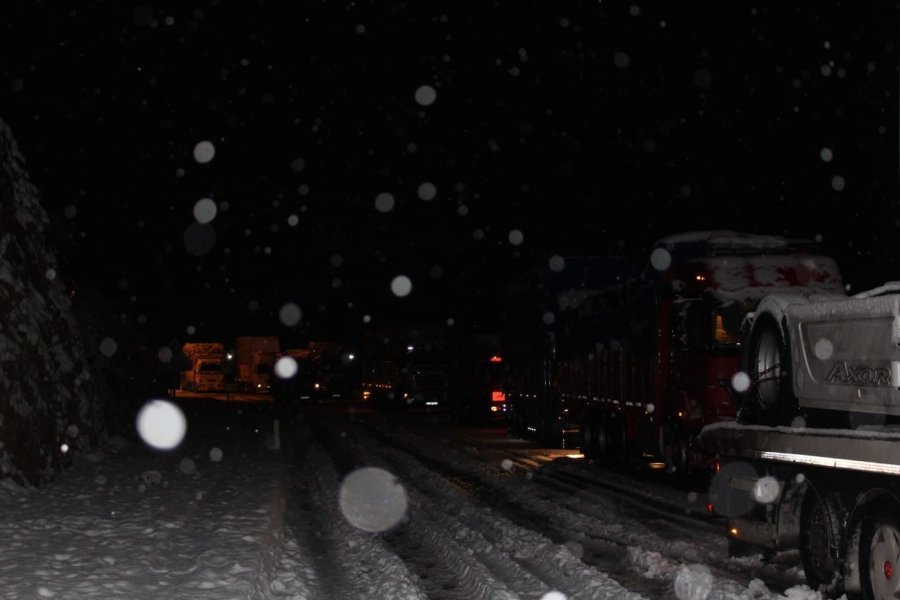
x=498, y=396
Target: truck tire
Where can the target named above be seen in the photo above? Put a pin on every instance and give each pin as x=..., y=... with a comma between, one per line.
x=517, y=423
x=820, y=535
x=674, y=450
x=770, y=399
x=615, y=443
x=590, y=433
x=879, y=555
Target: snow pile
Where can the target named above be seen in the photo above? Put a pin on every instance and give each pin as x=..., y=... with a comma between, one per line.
x=133, y=524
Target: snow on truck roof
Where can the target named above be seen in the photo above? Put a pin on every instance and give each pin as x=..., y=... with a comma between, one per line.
x=752, y=277
x=736, y=265
x=729, y=239
x=691, y=244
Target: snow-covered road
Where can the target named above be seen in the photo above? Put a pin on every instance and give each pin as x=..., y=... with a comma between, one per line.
x=359, y=505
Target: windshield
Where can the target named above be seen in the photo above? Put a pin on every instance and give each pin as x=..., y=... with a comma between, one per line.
x=705, y=325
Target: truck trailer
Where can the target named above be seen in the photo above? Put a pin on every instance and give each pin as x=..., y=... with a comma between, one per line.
x=831, y=494
x=812, y=462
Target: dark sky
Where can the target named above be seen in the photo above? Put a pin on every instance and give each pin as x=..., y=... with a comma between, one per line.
x=589, y=127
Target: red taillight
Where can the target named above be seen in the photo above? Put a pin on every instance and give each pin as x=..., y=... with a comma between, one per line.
x=498, y=396
x=710, y=507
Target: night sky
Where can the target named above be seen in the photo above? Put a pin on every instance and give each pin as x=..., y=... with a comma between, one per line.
x=505, y=133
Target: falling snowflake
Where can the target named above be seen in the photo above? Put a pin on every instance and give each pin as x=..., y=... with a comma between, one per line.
x=426, y=95
x=401, y=286
x=204, y=152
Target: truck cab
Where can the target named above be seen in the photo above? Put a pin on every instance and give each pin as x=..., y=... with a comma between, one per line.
x=207, y=374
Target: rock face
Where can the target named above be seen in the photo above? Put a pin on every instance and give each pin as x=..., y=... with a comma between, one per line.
x=47, y=396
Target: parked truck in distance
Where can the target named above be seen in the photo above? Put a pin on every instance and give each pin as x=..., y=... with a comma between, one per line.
x=207, y=372
x=255, y=360
x=406, y=368
x=324, y=371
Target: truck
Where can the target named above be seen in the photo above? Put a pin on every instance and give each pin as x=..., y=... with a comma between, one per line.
x=303, y=385
x=532, y=304
x=638, y=367
x=406, y=368
x=207, y=372
x=255, y=359
x=811, y=463
x=326, y=371
x=477, y=377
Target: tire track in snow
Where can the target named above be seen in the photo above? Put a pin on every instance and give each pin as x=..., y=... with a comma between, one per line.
x=526, y=561
x=348, y=563
x=589, y=521
x=446, y=570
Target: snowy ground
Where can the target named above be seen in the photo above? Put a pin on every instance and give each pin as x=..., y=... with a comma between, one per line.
x=346, y=507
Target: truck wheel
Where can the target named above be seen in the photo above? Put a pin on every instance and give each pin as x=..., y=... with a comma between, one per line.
x=879, y=556
x=614, y=443
x=589, y=432
x=516, y=425
x=602, y=426
x=820, y=534
x=673, y=449
x=770, y=399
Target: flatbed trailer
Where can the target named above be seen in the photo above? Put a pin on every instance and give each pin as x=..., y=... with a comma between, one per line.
x=831, y=494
